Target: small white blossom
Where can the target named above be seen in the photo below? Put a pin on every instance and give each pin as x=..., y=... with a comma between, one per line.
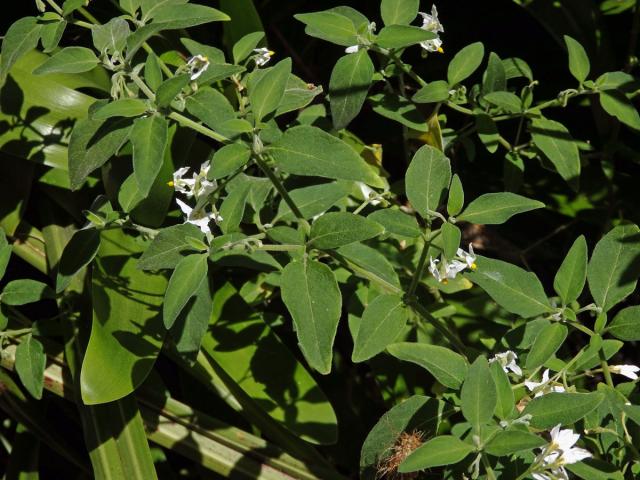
x=263, y=55
x=352, y=49
x=432, y=24
x=199, y=216
x=368, y=192
x=540, y=388
x=629, y=371
x=433, y=268
x=469, y=258
x=197, y=65
x=198, y=186
x=560, y=451
x=507, y=361
x=182, y=185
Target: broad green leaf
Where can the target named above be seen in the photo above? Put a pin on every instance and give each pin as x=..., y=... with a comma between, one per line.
x=232, y=208
x=311, y=294
x=312, y=200
x=507, y=101
x=185, y=280
x=330, y=26
x=70, y=6
x=91, y=144
x=191, y=325
x=427, y=180
x=130, y=6
x=516, y=68
x=399, y=12
x=441, y=450
x=265, y=93
x=616, y=104
x=451, y=236
x=399, y=109
x=512, y=441
x=153, y=72
x=69, y=60
x=212, y=108
x=497, y=208
x=590, y=357
x=23, y=291
x=455, y=202
x=593, y=468
x=21, y=37
x=172, y=17
x=447, y=366
x=494, y=79
x=554, y=408
x=169, y=247
x=396, y=222
x=465, y=62
x=382, y=321
x=243, y=47
x=572, y=274
x=415, y=413
x=478, y=396
x=170, y=88
x=5, y=253
x=228, y=159
x=614, y=268
x=149, y=140
x=335, y=229
x=548, y=341
x=124, y=107
x=348, y=87
x=579, y=65
x=626, y=324
x=112, y=36
x=297, y=94
x=513, y=288
x=432, y=92
x=218, y=71
x=79, y=252
x=127, y=330
x=371, y=260
x=150, y=7
x=488, y=132
x=309, y=151
x=400, y=36
x=239, y=257
x=52, y=31
x=505, y=400
x=555, y=141
x=30, y=363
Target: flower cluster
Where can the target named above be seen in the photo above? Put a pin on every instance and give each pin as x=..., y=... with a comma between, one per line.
x=560, y=452
x=443, y=271
x=198, y=187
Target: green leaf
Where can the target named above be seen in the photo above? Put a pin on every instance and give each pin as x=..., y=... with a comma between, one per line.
x=185, y=280
x=23, y=291
x=590, y=357
x=626, y=324
x=512, y=441
x=455, y=201
x=614, y=268
x=427, y=180
x=127, y=330
x=170, y=88
x=579, y=65
x=465, y=62
x=79, y=252
x=441, y=450
x=228, y=159
x=212, y=107
x=478, y=396
x=70, y=6
x=169, y=247
x=548, y=341
x=593, y=468
x=494, y=78
x=371, y=260
x=555, y=141
x=21, y=37
x=396, y=222
x=149, y=138
x=312, y=200
x=399, y=109
x=5, y=253
x=451, y=236
x=564, y=408
x=172, y=17
x=191, y=325
x=265, y=93
x=112, y=36
x=382, y=321
x=505, y=400
x=244, y=47
x=616, y=104
x=330, y=26
x=572, y=274
x=215, y=55
x=130, y=6
x=297, y=94
x=437, y=91
x=513, y=288
x=447, y=366
x=30, y=363
x=153, y=72
x=232, y=208
x=400, y=36
x=69, y=60
x=124, y=107
x=51, y=32
x=311, y=294
x=348, y=87
x=497, y=208
x=309, y=151
x=91, y=144
x=488, y=132
x=335, y=229
x=399, y=12
x=507, y=101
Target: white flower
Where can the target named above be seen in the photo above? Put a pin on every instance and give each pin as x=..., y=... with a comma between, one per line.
x=432, y=24
x=197, y=65
x=368, y=193
x=352, y=49
x=182, y=185
x=507, y=361
x=467, y=257
x=435, y=271
x=535, y=386
x=629, y=371
x=263, y=55
x=198, y=186
x=558, y=453
x=198, y=216
x=447, y=270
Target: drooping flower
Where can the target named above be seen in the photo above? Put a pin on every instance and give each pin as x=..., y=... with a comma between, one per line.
x=432, y=24
x=433, y=268
x=540, y=388
x=560, y=452
x=352, y=49
x=263, y=55
x=197, y=65
x=182, y=185
x=368, y=193
x=199, y=185
x=467, y=257
x=629, y=371
x=198, y=216
x=508, y=361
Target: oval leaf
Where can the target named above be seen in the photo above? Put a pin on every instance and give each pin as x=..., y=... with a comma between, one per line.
x=497, y=208
x=548, y=341
x=69, y=60
x=559, y=147
x=572, y=274
x=149, y=138
x=447, y=366
x=183, y=284
x=626, y=324
x=427, y=180
x=348, y=87
x=335, y=229
x=465, y=62
x=30, y=363
x=266, y=91
x=382, y=321
x=442, y=450
x=579, y=65
x=556, y=408
x=478, y=396
x=512, y=441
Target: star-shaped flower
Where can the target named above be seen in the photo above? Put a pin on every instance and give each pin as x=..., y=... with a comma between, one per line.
x=508, y=362
x=432, y=24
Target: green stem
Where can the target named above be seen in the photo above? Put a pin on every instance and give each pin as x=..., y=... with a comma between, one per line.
x=85, y=13
x=421, y=262
x=458, y=108
x=280, y=248
x=487, y=467
x=605, y=368
x=207, y=132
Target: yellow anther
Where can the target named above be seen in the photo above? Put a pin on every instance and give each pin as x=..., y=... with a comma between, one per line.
x=445, y=281
x=170, y=183
x=474, y=266
x=271, y=53
x=440, y=50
